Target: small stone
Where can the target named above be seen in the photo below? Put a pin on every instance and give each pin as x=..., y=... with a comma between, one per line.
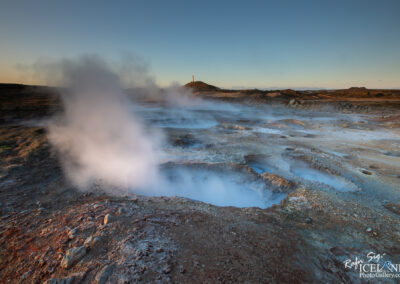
x=72, y=256
x=72, y=233
x=308, y=220
x=365, y=172
x=91, y=241
x=108, y=219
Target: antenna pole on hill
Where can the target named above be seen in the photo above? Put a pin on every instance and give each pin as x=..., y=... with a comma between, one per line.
x=193, y=78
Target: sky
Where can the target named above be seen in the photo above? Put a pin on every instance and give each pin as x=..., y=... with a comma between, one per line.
x=231, y=44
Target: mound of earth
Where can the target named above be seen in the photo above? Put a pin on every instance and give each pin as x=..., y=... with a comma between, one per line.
x=199, y=86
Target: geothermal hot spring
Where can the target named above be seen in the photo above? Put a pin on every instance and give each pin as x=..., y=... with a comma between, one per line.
x=215, y=152
x=212, y=151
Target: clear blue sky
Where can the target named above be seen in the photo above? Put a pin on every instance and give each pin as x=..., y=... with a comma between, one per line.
x=295, y=43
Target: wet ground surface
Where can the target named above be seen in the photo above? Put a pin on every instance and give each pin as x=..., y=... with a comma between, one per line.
x=322, y=150
x=310, y=189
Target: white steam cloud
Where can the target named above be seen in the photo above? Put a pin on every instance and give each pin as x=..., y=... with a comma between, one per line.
x=98, y=136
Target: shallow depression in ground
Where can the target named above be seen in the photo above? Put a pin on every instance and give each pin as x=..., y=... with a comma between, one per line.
x=221, y=133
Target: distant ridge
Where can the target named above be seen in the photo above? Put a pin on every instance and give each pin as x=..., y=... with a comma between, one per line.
x=200, y=86
x=287, y=95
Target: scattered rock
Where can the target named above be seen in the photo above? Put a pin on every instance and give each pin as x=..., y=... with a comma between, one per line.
x=96, y=206
x=72, y=233
x=294, y=102
x=72, y=256
x=365, y=172
x=108, y=219
x=91, y=241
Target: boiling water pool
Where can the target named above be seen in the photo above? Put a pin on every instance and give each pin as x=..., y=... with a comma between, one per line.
x=221, y=133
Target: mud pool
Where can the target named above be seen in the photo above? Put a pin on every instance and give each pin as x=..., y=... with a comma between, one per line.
x=223, y=149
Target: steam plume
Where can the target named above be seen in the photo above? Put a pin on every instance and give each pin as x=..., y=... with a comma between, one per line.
x=98, y=136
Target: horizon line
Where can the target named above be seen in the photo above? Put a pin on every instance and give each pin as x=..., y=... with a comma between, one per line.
x=236, y=88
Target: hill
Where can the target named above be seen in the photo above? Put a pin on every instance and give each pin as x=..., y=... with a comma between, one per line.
x=199, y=86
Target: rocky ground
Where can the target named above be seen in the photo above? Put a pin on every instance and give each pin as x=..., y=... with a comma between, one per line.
x=52, y=233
